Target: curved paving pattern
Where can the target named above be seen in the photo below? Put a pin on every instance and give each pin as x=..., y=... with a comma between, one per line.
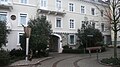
x=74, y=60
x=57, y=60
x=71, y=61
x=55, y=64
x=75, y=63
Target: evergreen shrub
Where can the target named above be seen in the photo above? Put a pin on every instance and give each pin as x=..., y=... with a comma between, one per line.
x=4, y=58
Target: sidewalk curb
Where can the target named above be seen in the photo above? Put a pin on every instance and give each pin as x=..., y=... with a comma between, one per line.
x=36, y=63
x=99, y=61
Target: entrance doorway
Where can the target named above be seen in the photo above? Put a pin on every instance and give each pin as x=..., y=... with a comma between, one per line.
x=53, y=43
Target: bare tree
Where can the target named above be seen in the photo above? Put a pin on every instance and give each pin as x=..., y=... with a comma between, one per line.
x=112, y=14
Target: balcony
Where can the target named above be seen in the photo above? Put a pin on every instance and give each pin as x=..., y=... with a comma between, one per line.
x=43, y=11
x=6, y=5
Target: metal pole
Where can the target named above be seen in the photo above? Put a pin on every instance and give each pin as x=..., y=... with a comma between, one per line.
x=97, y=54
x=27, y=48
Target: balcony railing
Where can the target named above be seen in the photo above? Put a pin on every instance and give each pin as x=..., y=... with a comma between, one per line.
x=51, y=12
x=6, y=4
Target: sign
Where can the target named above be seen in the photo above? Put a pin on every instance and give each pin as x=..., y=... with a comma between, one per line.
x=90, y=35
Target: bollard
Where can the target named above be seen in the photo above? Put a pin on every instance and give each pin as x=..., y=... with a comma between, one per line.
x=90, y=53
x=97, y=54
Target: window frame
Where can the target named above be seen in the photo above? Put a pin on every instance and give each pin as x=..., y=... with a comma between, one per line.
x=56, y=22
x=102, y=13
x=72, y=24
x=102, y=27
x=18, y=38
x=92, y=11
x=58, y=4
x=4, y=13
x=4, y=2
x=42, y=5
x=19, y=22
x=82, y=9
x=69, y=39
x=24, y=2
x=71, y=7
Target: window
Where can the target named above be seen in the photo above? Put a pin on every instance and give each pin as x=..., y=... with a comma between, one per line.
x=83, y=9
x=71, y=7
x=3, y=0
x=20, y=37
x=102, y=27
x=101, y=13
x=71, y=39
x=23, y=19
x=44, y=3
x=93, y=25
x=3, y=16
x=58, y=4
x=93, y=11
x=58, y=22
x=72, y=24
x=24, y=1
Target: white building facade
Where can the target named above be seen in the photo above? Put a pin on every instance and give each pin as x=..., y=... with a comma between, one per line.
x=66, y=17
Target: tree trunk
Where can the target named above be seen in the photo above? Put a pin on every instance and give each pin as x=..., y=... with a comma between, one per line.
x=115, y=44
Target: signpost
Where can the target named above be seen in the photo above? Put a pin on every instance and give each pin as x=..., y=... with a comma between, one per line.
x=27, y=31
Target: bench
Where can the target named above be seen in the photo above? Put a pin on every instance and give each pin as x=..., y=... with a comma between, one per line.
x=93, y=48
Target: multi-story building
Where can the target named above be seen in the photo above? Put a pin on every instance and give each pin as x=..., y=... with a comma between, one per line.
x=66, y=17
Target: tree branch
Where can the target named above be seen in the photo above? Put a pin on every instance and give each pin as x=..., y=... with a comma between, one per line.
x=118, y=29
x=113, y=29
x=117, y=17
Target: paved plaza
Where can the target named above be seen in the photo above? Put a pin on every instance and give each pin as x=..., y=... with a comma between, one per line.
x=68, y=60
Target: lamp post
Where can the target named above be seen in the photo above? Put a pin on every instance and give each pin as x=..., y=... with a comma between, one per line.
x=89, y=36
x=27, y=31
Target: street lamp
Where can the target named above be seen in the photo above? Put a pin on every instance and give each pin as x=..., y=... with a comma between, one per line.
x=90, y=35
x=27, y=31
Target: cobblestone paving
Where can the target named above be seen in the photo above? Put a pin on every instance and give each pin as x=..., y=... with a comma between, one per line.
x=75, y=60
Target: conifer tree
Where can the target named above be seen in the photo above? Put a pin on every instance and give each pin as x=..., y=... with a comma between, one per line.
x=3, y=33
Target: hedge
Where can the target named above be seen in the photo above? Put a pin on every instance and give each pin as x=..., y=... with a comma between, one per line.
x=76, y=51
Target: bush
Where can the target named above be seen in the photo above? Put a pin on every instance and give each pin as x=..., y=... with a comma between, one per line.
x=4, y=58
x=76, y=51
x=103, y=48
x=38, y=54
x=99, y=44
x=17, y=53
x=66, y=47
x=111, y=61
